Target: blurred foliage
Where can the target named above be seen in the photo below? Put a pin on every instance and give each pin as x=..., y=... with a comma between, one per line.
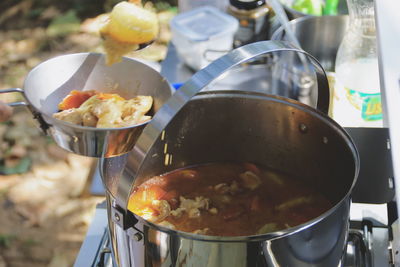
x=63, y=25
x=6, y=240
x=41, y=12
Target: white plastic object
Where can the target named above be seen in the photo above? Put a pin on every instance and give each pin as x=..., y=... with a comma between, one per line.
x=202, y=35
x=186, y=5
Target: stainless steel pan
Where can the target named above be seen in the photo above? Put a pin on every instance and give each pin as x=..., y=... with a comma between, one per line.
x=236, y=126
x=48, y=83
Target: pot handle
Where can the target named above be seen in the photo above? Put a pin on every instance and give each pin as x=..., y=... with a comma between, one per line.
x=42, y=123
x=197, y=82
x=14, y=90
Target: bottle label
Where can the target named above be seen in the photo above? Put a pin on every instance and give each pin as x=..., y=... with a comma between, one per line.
x=369, y=104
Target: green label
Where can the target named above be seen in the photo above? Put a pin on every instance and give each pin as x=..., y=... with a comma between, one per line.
x=369, y=104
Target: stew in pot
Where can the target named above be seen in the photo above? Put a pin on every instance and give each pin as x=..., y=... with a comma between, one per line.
x=227, y=199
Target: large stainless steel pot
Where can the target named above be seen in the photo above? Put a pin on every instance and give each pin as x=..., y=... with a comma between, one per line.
x=236, y=126
x=48, y=83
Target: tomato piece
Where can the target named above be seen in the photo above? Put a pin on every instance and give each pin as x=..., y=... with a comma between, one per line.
x=147, y=195
x=75, y=99
x=252, y=167
x=255, y=204
x=152, y=193
x=144, y=198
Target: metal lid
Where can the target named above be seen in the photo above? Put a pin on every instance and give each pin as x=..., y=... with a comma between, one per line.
x=247, y=4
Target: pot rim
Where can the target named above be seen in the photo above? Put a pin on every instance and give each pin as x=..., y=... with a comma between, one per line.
x=294, y=22
x=288, y=231
x=61, y=123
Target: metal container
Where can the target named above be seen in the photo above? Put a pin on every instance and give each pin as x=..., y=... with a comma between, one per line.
x=236, y=126
x=319, y=36
x=48, y=83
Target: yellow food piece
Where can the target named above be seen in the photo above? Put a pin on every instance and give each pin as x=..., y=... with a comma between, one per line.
x=116, y=50
x=130, y=23
x=128, y=26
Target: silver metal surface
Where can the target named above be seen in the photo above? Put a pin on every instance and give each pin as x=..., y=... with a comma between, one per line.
x=258, y=77
x=299, y=249
x=14, y=90
x=48, y=83
x=319, y=36
x=388, y=37
x=380, y=246
x=396, y=243
x=95, y=239
x=203, y=132
x=357, y=252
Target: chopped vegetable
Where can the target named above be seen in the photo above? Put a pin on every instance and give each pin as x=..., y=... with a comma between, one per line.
x=103, y=110
x=294, y=202
x=75, y=99
x=250, y=180
x=267, y=228
x=217, y=199
x=144, y=199
x=252, y=167
x=274, y=177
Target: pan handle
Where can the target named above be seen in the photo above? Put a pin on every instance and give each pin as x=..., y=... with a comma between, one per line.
x=189, y=89
x=14, y=90
x=42, y=123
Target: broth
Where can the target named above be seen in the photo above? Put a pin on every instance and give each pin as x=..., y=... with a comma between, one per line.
x=227, y=199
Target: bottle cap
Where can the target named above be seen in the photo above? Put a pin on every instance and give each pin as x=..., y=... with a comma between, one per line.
x=247, y=4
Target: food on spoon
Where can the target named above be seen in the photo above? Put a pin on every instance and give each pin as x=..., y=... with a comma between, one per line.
x=103, y=110
x=129, y=25
x=227, y=199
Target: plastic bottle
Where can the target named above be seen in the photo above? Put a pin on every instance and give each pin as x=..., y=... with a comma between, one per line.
x=357, y=89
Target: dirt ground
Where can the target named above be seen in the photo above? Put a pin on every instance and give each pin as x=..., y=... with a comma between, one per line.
x=45, y=204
